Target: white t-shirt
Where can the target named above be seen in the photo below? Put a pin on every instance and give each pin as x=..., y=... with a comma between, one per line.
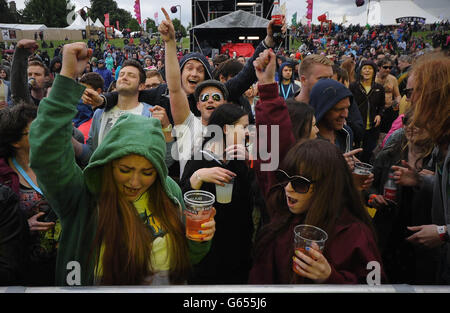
x=109, y=119
x=189, y=139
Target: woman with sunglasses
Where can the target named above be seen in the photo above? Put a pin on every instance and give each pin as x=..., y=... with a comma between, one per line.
x=316, y=188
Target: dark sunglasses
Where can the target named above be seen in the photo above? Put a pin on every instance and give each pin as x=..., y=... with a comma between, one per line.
x=386, y=67
x=408, y=92
x=299, y=183
x=215, y=96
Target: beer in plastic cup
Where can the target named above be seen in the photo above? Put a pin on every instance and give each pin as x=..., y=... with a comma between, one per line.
x=199, y=205
x=304, y=236
x=224, y=193
x=361, y=173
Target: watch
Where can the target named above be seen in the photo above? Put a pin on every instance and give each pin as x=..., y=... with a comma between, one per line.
x=168, y=129
x=443, y=233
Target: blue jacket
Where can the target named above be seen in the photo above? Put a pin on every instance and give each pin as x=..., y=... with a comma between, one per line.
x=107, y=77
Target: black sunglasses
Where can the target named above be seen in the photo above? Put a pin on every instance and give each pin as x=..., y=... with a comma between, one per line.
x=299, y=183
x=386, y=67
x=215, y=96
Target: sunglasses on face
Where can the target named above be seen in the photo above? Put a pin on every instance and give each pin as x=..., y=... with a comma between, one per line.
x=215, y=96
x=387, y=67
x=300, y=184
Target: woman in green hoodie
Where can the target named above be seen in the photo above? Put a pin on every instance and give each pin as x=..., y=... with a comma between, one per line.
x=121, y=217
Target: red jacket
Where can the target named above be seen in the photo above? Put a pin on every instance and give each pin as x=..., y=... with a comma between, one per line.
x=348, y=252
x=272, y=110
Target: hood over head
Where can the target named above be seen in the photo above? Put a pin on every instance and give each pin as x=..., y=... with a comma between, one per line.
x=325, y=94
x=132, y=134
x=199, y=57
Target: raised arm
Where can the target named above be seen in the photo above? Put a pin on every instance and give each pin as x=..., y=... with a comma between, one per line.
x=179, y=104
x=19, y=84
x=51, y=153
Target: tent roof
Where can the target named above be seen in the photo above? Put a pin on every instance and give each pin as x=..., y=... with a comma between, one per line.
x=98, y=23
x=385, y=12
x=79, y=23
x=24, y=26
x=236, y=19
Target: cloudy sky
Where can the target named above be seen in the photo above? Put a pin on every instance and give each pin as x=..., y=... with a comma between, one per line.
x=336, y=8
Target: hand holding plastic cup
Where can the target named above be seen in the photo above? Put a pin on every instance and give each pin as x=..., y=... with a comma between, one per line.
x=199, y=210
x=361, y=173
x=305, y=236
x=225, y=193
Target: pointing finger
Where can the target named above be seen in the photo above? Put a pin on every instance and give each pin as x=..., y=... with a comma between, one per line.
x=165, y=14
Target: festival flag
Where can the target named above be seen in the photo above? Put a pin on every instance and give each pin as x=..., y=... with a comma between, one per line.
x=137, y=10
x=294, y=19
x=106, y=19
x=117, y=24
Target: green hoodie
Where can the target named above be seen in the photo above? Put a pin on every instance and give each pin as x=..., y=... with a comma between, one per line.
x=71, y=192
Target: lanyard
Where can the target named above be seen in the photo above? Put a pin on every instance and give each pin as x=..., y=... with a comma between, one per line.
x=288, y=91
x=25, y=175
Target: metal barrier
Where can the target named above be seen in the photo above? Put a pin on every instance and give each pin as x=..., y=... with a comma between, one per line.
x=235, y=289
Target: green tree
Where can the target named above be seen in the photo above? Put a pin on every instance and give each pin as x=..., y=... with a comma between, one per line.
x=6, y=15
x=151, y=25
x=52, y=13
x=134, y=25
x=100, y=7
x=178, y=27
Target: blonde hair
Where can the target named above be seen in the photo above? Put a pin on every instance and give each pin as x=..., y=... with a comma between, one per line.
x=312, y=59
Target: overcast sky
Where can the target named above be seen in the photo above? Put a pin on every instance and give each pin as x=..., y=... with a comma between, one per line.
x=336, y=8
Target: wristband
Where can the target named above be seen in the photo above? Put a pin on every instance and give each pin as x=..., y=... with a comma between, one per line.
x=443, y=235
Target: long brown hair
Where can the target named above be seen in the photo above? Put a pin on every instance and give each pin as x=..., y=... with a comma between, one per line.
x=126, y=240
x=431, y=96
x=333, y=191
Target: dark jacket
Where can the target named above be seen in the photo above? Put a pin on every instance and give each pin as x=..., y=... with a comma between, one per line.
x=287, y=91
x=14, y=235
x=372, y=102
x=234, y=227
x=404, y=263
x=348, y=252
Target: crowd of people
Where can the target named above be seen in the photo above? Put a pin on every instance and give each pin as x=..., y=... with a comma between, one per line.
x=99, y=145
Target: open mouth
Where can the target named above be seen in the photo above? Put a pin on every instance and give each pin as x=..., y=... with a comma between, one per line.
x=291, y=201
x=192, y=82
x=131, y=191
x=210, y=108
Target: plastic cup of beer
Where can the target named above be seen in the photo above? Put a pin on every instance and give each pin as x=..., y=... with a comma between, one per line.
x=199, y=205
x=304, y=237
x=361, y=173
x=224, y=193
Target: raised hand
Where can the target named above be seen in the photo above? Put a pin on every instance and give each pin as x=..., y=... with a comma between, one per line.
x=265, y=67
x=75, y=57
x=29, y=44
x=166, y=28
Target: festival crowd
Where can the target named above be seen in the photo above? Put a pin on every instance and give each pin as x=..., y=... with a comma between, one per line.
x=99, y=146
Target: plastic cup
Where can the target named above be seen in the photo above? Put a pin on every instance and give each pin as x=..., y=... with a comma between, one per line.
x=305, y=236
x=225, y=193
x=361, y=173
x=199, y=205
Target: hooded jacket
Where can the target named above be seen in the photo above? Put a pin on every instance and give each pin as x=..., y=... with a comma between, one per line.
x=370, y=104
x=73, y=193
x=325, y=94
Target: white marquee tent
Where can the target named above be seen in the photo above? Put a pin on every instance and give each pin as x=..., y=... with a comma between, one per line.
x=98, y=23
x=79, y=23
x=385, y=12
x=23, y=26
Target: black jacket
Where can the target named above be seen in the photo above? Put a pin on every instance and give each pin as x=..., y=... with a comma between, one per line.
x=14, y=238
x=372, y=101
